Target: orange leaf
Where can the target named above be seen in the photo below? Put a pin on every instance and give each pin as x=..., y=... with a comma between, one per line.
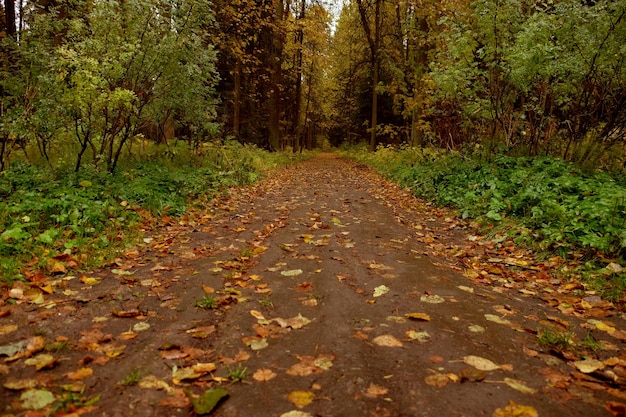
x=263, y=375
x=82, y=373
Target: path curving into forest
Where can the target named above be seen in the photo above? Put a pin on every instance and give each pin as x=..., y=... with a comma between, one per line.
x=338, y=293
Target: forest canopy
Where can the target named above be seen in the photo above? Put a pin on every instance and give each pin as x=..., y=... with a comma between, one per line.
x=83, y=82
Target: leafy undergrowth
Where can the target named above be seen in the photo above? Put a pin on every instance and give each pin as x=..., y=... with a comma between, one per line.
x=55, y=220
x=542, y=202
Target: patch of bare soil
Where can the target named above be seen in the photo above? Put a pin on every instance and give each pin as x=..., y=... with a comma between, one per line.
x=322, y=291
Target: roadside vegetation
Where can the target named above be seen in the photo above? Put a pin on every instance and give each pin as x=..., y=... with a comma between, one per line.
x=543, y=202
x=56, y=219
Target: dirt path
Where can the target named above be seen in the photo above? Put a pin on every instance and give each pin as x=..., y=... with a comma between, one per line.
x=330, y=292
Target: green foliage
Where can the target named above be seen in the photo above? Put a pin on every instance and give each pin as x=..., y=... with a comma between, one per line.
x=237, y=374
x=131, y=379
x=96, y=214
x=556, y=339
x=554, y=204
x=92, y=78
x=207, y=303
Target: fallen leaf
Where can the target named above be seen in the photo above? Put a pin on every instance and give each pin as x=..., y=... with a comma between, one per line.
x=418, y=316
x=201, y=332
x=311, y=365
x=431, y=299
x=387, y=340
x=21, y=384
x=152, y=382
x=121, y=272
x=437, y=380
x=204, y=368
x=497, y=319
x=616, y=408
x=295, y=322
x=381, y=290
x=588, y=366
x=374, y=391
x=301, y=398
x=90, y=281
x=180, y=374
x=208, y=400
x=519, y=386
x=291, y=273
x=466, y=289
x=516, y=410
x=37, y=399
x=125, y=313
x=263, y=375
x=472, y=375
x=256, y=343
x=82, y=373
x=419, y=336
x=141, y=326
x=8, y=328
x=296, y=413
x=475, y=328
x=41, y=361
x=480, y=363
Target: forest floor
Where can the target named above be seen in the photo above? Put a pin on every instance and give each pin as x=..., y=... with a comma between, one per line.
x=323, y=290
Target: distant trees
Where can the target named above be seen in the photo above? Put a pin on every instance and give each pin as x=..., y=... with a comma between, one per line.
x=91, y=79
x=527, y=77
x=83, y=82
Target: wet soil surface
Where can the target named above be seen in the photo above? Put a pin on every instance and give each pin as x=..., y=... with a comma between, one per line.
x=324, y=290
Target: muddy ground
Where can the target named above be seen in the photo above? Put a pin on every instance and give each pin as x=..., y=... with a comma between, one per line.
x=324, y=290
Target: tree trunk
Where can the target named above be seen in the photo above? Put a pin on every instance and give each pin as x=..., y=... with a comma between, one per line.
x=9, y=18
x=373, y=40
x=299, y=41
x=237, y=99
x=276, y=77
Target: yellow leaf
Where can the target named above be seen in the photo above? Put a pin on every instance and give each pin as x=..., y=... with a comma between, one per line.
x=90, y=281
x=204, y=367
x=516, y=410
x=602, y=326
x=41, y=361
x=588, y=365
x=437, y=380
x=519, y=386
x=8, y=328
x=301, y=398
x=480, y=363
x=387, y=340
x=82, y=373
x=418, y=316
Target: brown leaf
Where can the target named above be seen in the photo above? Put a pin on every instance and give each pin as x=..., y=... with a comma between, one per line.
x=437, y=380
x=616, y=408
x=387, y=340
x=374, y=391
x=263, y=375
x=125, y=313
x=516, y=410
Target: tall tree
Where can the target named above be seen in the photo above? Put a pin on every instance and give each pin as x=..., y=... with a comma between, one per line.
x=372, y=27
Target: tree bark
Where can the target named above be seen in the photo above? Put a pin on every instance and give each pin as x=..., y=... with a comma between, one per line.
x=9, y=18
x=373, y=41
x=276, y=76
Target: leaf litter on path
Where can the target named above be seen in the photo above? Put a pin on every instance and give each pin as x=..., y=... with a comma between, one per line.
x=293, y=213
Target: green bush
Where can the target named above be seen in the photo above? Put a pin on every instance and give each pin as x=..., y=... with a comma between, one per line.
x=567, y=209
x=44, y=212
